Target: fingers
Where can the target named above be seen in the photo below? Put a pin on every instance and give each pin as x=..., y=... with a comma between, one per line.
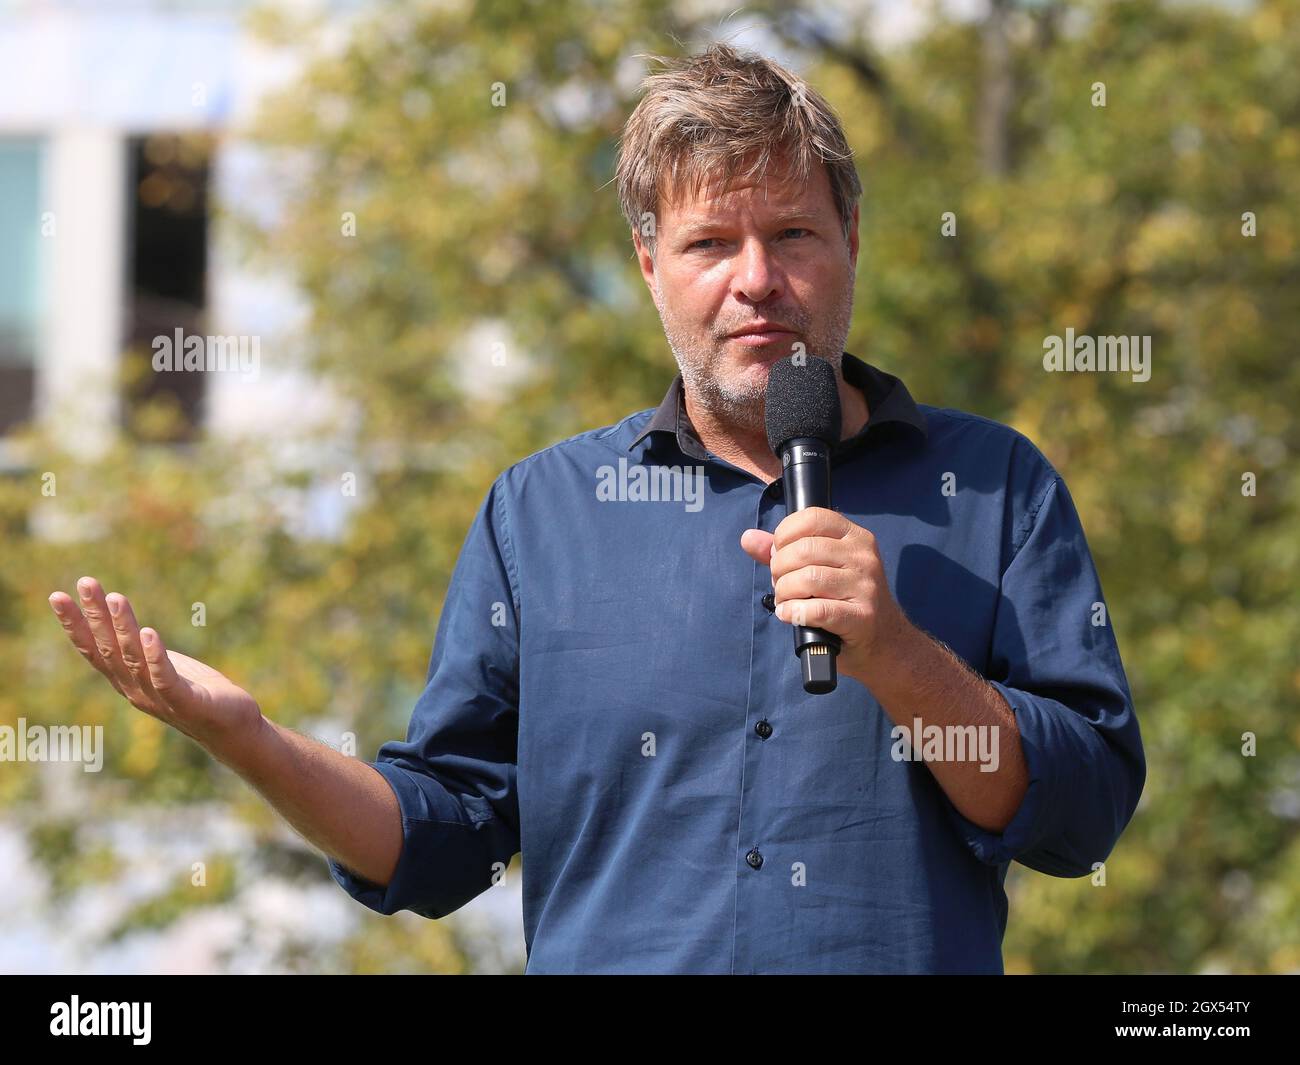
x=832, y=615
x=815, y=521
x=74, y=624
x=170, y=685
x=818, y=582
x=128, y=640
x=105, y=632
x=821, y=551
x=95, y=609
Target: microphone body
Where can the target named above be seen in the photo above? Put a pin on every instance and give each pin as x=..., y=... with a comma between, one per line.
x=802, y=417
x=806, y=481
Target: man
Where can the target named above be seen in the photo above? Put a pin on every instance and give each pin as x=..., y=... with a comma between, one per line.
x=613, y=689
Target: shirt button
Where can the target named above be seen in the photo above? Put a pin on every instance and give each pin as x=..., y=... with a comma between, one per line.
x=769, y=601
x=763, y=729
x=774, y=490
x=755, y=859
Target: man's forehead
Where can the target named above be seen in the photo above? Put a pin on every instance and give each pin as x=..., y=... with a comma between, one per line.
x=780, y=196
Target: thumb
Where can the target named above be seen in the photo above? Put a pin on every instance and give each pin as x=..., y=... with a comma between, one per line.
x=757, y=544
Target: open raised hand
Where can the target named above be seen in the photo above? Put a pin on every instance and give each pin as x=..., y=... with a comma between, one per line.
x=181, y=691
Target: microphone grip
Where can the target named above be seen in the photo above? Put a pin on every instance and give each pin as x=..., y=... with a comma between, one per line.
x=806, y=481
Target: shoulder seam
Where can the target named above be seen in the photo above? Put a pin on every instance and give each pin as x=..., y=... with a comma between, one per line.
x=1031, y=517
x=507, y=542
x=953, y=412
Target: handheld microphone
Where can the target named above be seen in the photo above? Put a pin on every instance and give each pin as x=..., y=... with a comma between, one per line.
x=803, y=424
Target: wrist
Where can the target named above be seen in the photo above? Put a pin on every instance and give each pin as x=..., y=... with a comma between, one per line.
x=890, y=656
x=241, y=746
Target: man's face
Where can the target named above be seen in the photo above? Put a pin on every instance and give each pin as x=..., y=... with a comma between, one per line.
x=727, y=262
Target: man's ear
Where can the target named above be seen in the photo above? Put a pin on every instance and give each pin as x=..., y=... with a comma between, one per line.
x=644, y=260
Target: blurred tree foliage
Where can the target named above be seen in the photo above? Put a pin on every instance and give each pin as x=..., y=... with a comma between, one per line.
x=445, y=170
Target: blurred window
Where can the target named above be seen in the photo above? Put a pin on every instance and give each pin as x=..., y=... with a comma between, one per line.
x=21, y=295
x=167, y=248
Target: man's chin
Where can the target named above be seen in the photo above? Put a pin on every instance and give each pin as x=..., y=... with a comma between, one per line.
x=750, y=375
x=742, y=402
x=752, y=363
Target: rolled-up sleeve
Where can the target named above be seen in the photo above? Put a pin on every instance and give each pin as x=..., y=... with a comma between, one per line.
x=1055, y=660
x=455, y=774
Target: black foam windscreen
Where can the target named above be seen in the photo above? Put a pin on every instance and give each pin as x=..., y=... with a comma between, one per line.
x=803, y=400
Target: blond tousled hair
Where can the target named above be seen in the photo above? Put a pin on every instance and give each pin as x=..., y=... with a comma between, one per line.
x=721, y=115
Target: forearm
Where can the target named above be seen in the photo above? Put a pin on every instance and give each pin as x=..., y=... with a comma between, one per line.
x=919, y=678
x=338, y=803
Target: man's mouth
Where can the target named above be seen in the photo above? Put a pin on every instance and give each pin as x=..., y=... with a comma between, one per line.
x=761, y=333
x=751, y=340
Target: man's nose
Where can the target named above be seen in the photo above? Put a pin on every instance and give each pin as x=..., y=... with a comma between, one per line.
x=757, y=276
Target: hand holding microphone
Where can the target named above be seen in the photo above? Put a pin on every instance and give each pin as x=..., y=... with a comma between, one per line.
x=827, y=575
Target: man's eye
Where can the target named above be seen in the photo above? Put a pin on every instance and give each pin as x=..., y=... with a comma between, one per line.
x=705, y=240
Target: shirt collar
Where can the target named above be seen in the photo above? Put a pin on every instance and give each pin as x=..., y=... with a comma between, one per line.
x=888, y=403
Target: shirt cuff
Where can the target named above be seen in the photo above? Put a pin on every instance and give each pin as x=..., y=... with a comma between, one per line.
x=419, y=845
x=1028, y=825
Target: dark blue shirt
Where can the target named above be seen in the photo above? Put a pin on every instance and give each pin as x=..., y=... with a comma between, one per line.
x=610, y=694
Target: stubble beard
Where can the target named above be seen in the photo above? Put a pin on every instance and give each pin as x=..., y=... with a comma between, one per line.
x=739, y=404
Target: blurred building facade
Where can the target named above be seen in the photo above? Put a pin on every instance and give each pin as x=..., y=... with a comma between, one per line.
x=119, y=152
x=116, y=145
